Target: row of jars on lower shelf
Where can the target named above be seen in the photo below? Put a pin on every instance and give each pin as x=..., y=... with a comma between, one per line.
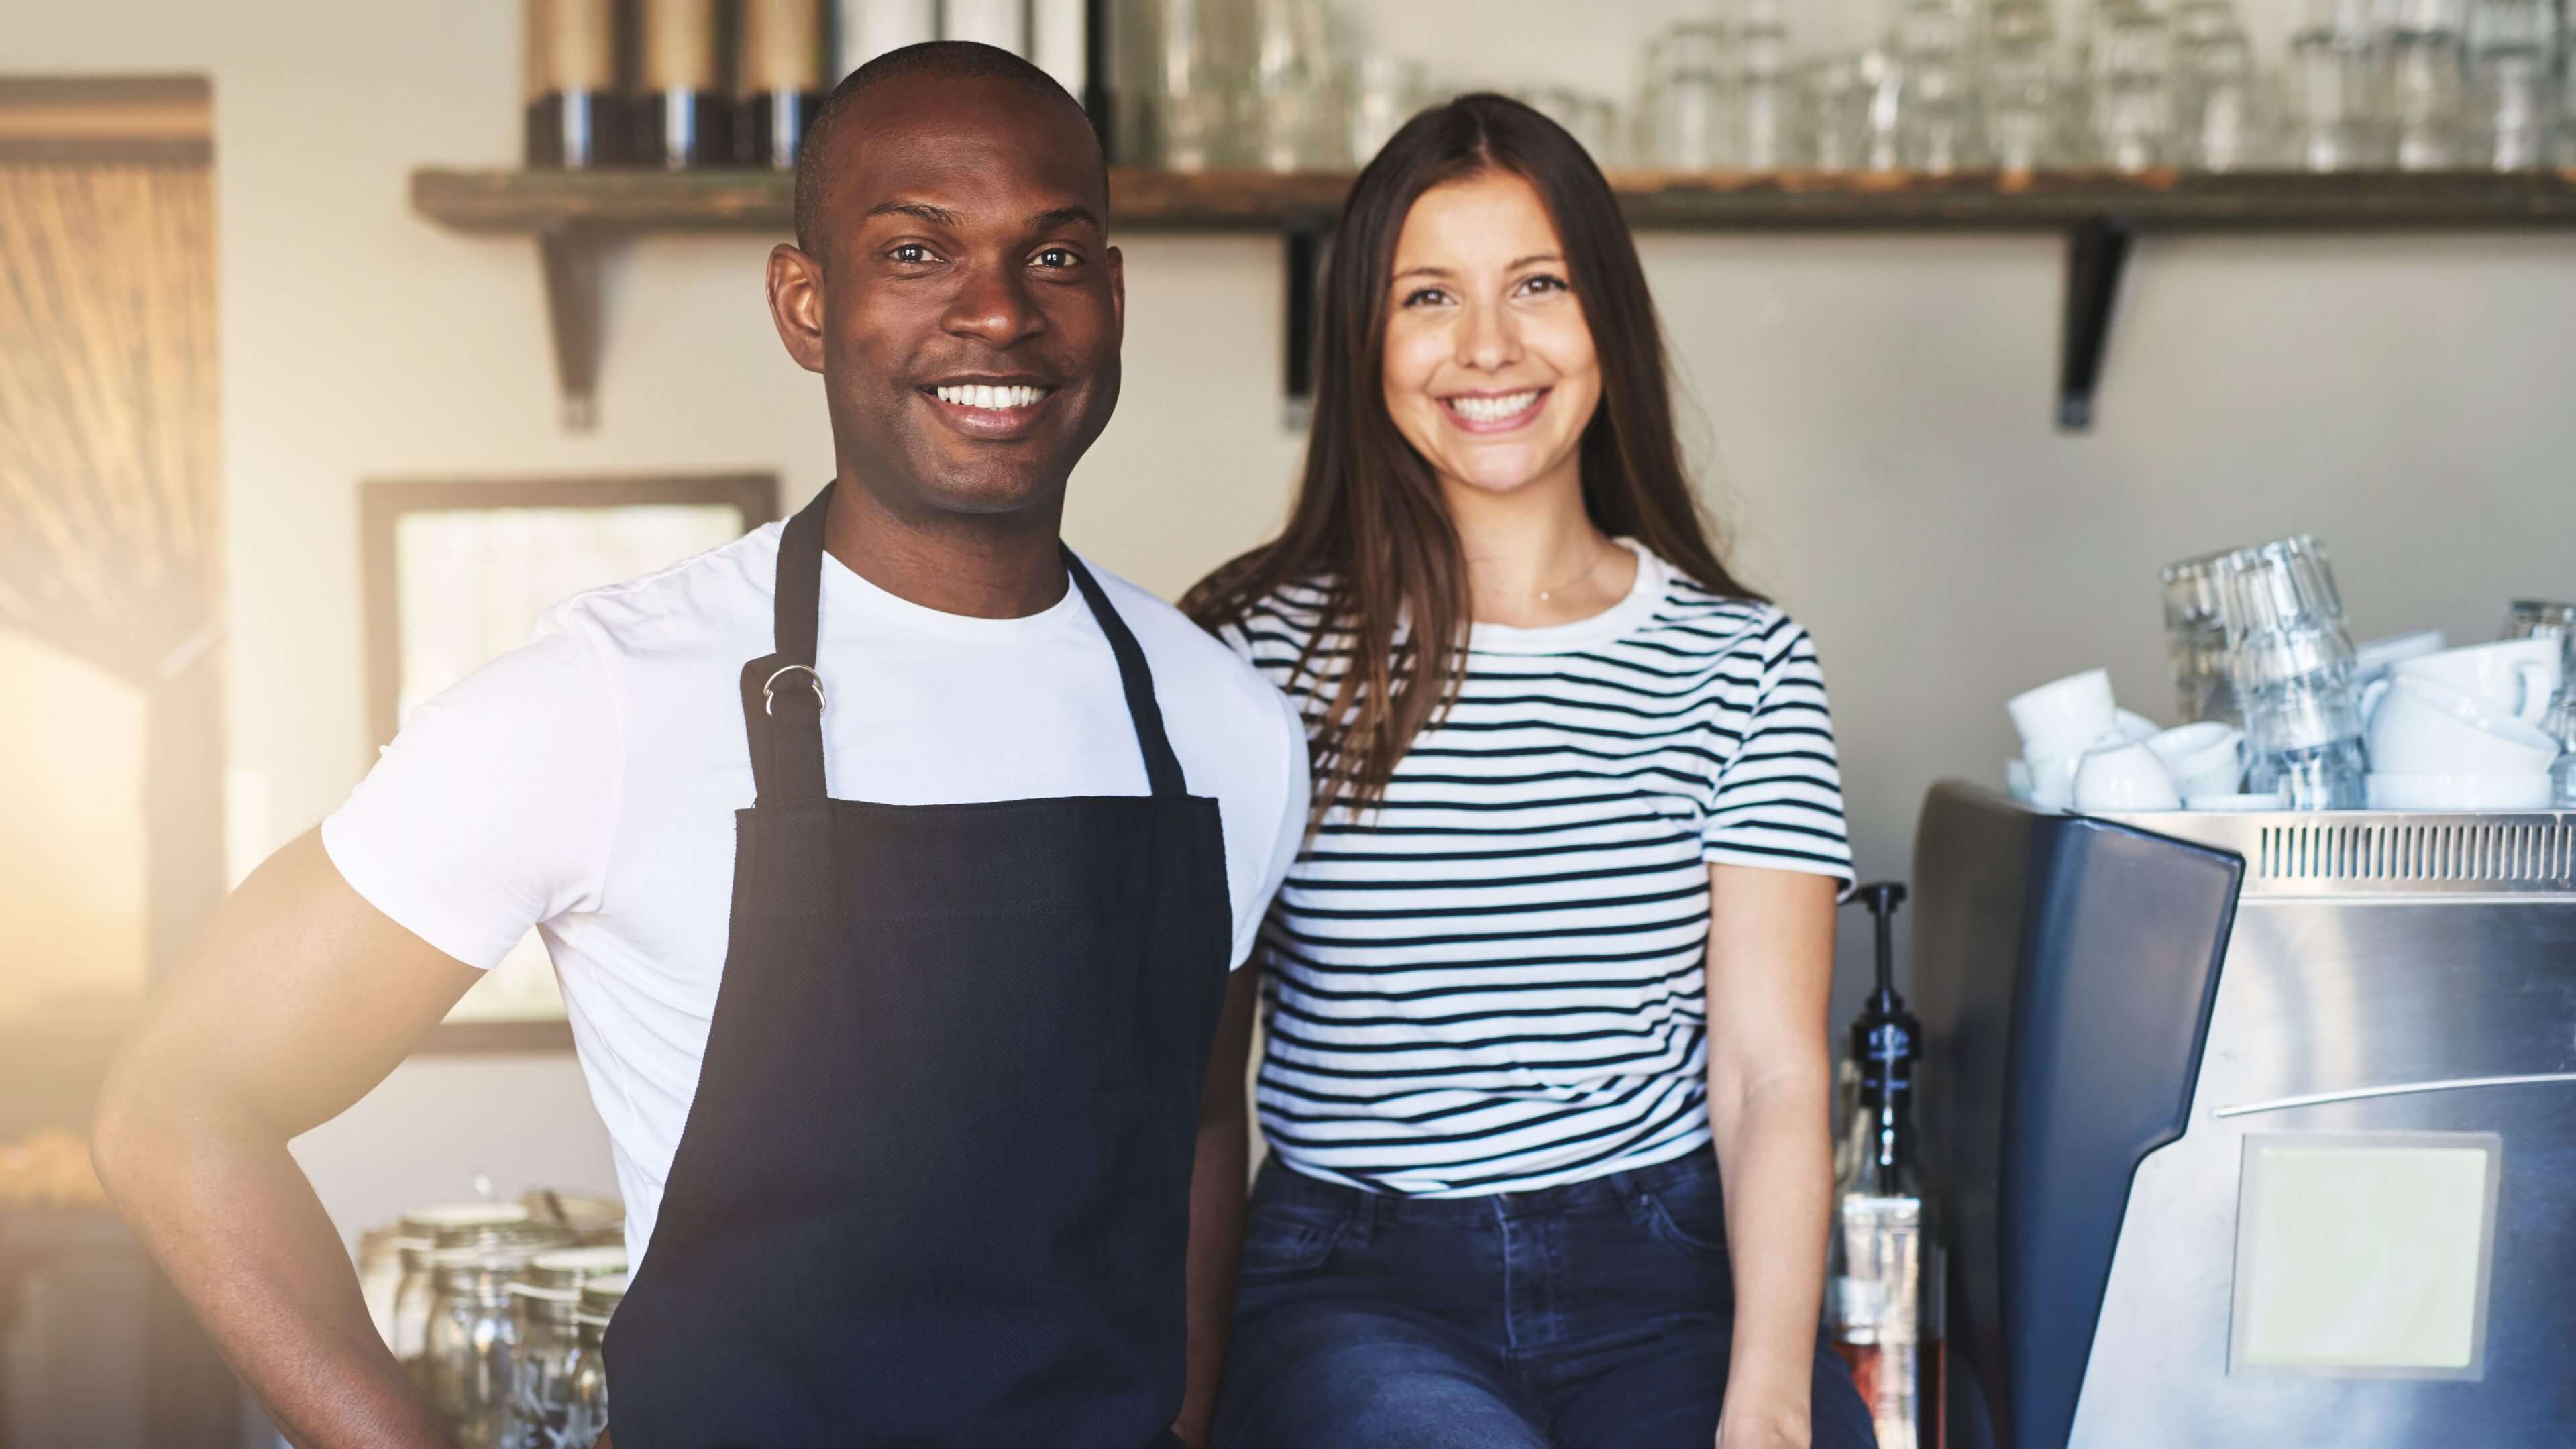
x=499, y=1309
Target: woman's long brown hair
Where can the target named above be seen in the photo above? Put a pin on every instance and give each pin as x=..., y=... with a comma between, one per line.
x=1369, y=527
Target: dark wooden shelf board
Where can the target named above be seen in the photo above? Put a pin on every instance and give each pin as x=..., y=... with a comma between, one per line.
x=640, y=201
x=574, y=214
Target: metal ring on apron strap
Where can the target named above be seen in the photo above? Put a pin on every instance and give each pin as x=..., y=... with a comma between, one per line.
x=769, y=687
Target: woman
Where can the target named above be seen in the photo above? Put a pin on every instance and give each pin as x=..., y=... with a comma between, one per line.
x=1566, y=916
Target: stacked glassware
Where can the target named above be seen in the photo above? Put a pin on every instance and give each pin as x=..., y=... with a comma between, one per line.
x=1952, y=85
x=2292, y=663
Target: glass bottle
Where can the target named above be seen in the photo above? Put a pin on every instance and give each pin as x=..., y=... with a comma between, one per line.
x=1884, y=1272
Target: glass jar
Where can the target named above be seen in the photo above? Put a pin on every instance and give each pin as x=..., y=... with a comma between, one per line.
x=473, y=1339
x=587, y=1417
x=414, y=1239
x=547, y=1301
x=380, y=1274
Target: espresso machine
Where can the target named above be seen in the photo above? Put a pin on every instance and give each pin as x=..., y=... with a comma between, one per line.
x=2251, y=1129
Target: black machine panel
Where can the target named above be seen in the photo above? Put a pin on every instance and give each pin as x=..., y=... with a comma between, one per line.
x=2064, y=969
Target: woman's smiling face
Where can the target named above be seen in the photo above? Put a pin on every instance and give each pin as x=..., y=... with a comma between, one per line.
x=1490, y=370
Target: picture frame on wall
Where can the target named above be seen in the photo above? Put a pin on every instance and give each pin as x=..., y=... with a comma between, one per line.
x=456, y=573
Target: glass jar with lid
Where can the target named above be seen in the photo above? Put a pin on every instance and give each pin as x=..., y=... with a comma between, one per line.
x=474, y=1338
x=550, y=1354
x=414, y=1238
x=587, y=1417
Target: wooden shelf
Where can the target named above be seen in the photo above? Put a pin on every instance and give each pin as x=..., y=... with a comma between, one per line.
x=573, y=215
x=535, y=202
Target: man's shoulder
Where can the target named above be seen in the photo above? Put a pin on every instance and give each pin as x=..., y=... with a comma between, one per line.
x=708, y=601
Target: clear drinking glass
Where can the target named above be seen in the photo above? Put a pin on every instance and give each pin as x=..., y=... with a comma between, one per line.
x=2019, y=92
x=1194, y=92
x=1383, y=92
x=1292, y=85
x=2424, y=82
x=2513, y=95
x=2332, y=112
x=2292, y=663
x=2561, y=723
x=2196, y=634
x=1684, y=125
x=1837, y=108
x=1765, y=130
x=2134, y=107
x=2214, y=92
x=1932, y=124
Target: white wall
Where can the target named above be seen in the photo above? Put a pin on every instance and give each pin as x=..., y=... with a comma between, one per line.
x=1875, y=411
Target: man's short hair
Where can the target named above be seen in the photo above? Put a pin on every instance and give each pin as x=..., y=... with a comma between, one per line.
x=940, y=59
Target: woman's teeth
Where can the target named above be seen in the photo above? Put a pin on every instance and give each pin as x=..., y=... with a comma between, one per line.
x=991, y=397
x=1494, y=409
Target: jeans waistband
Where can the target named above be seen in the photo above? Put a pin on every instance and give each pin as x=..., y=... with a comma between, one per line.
x=1280, y=1182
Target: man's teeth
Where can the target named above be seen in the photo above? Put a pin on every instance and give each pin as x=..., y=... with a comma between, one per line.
x=991, y=397
x=1494, y=409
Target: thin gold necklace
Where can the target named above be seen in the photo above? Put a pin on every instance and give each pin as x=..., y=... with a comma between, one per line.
x=1548, y=594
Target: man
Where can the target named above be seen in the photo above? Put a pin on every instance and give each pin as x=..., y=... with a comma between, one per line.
x=904, y=1096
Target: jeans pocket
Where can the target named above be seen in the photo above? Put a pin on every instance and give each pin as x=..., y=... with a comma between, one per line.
x=1688, y=1218
x=1281, y=1240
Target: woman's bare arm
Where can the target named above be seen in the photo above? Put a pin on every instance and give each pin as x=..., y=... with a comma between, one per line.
x=1770, y=975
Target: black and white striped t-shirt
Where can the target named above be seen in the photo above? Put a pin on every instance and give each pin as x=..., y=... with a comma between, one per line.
x=1495, y=983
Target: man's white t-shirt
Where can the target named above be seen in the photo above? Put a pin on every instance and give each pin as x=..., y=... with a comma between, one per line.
x=586, y=785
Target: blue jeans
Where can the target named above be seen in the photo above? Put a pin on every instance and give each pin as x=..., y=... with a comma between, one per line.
x=1580, y=1317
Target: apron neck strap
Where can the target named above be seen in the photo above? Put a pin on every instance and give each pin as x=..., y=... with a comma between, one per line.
x=783, y=696
x=1162, y=768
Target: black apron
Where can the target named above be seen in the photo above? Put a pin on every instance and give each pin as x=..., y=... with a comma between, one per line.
x=934, y=1185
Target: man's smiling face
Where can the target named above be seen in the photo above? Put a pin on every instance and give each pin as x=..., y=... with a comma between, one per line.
x=971, y=306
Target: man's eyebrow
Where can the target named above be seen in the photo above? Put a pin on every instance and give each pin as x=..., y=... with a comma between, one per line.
x=1067, y=216
x=919, y=210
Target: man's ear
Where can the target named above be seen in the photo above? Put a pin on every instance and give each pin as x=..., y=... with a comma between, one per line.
x=1118, y=290
x=796, y=304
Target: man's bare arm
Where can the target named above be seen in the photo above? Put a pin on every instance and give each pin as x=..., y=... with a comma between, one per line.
x=298, y=999
x=1217, y=1185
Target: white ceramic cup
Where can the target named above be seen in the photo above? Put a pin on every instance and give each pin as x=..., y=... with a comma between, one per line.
x=2422, y=728
x=2065, y=716
x=2207, y=758
x=2375, y=658
x=2052, y=780
x=2272, y=801
x=2459, y=792
x=2516, y=678
x=2124, y=776
x=2135, y=726
x=2017, y=780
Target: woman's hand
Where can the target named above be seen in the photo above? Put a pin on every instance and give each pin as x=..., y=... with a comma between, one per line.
x=1773, y=1421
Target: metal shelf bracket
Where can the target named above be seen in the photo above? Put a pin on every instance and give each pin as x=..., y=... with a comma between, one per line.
x=570, y=257
x=2097, y=252
x=1302, y=251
